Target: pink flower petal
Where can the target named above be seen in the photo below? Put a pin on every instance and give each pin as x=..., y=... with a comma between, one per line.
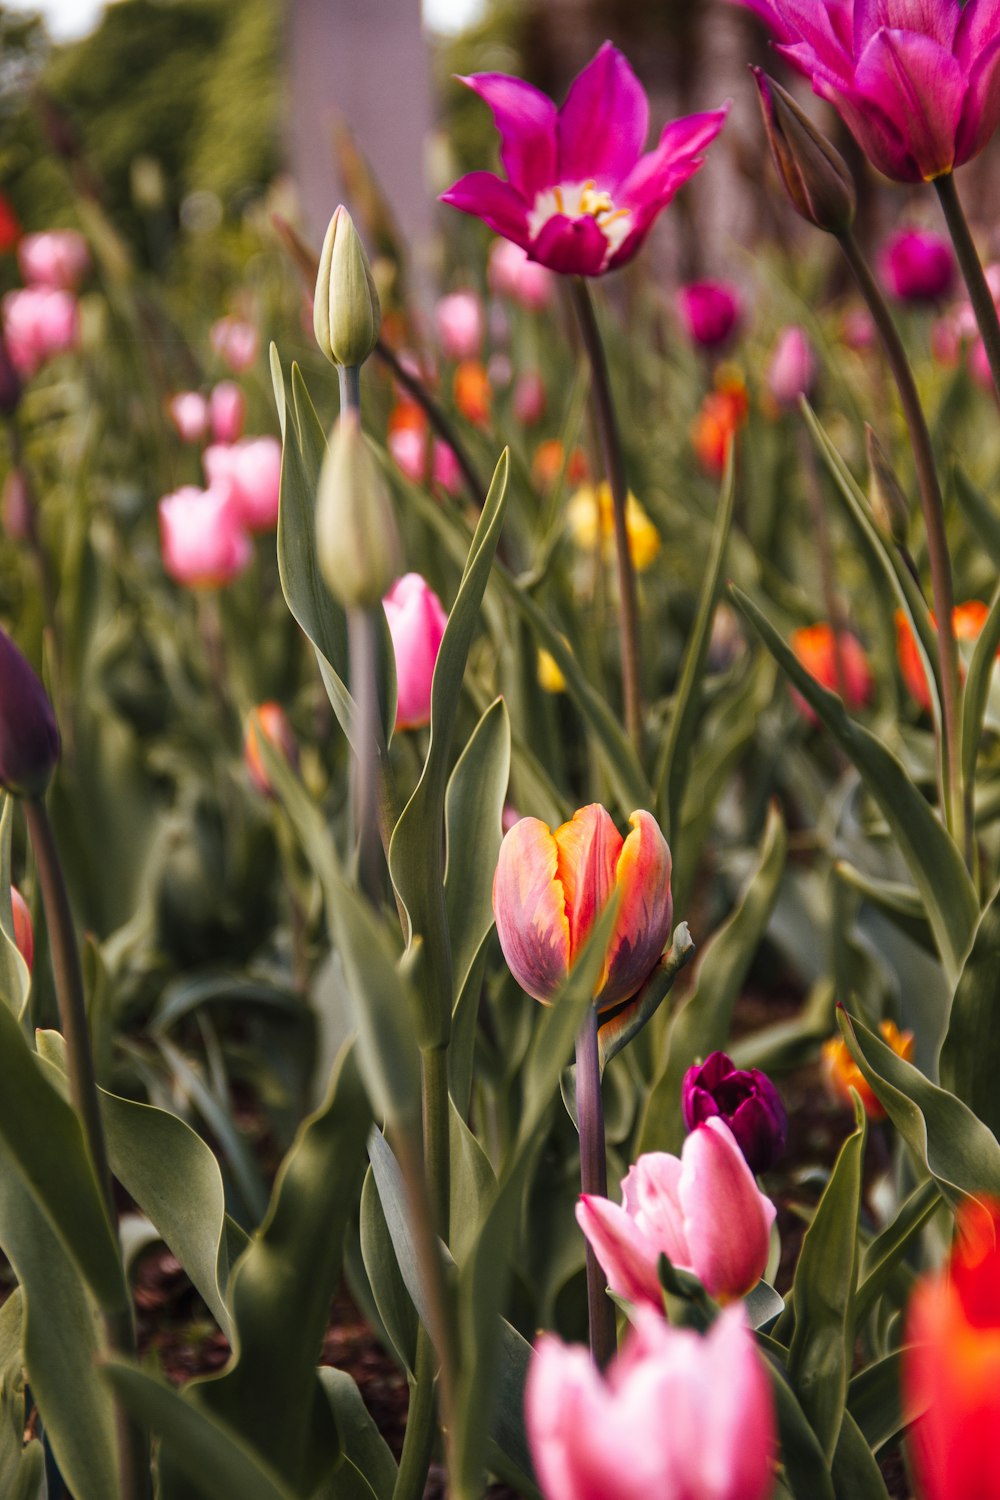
x=574, y=247
x=494, y=201
x=526, y=120
x=727, y=1219
x=604, y=121
x=920, y=87
x=627, y=1257
x=529, y=909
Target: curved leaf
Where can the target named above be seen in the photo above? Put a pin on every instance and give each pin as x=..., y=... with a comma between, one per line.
x=473, y=808
x=970, y=1053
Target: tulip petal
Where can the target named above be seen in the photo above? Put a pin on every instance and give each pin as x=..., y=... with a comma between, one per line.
x=604, y=121
x=739, y=1441
x=981, y=109
x=718, y=1192
x=526, y=120
x=589, y=846
x=677, y=156
x=645, y=910
x=494, y=201
x=651, y=1196
x=920, y=87
x=573, y=247
x=530, y=911
x=627, y=1257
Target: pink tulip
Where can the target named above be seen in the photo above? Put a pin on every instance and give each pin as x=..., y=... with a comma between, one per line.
x=39, y=322
x=235, y=342
x=459, y=322
x=16, y=507
x=550, y=887
x=580, y=196
x=677, y=1415
x=202, y=538
x=917, y=266
x=24, y=933
x=416, y=621
x=445, y=465
x=702, y=1210
x=189, y=414
x=916, y=83
x=529, y=399
x=792, y=370
x=858, y=330
x=251, y=469
x=979, y=366
x=511, y=274
x=58, y=258
x=226, y=412
x=710, y=312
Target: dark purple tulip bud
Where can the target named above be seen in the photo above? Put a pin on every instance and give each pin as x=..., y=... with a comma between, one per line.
x=814, y=175
x=29, y=736
x=745, y=1099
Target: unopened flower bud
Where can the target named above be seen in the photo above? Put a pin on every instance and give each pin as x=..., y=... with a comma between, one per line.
x=24, y=932
x=29, y=737
x=267, y=721
x=890, y=509
x=814, y=175
x=356, y=537
x=347, y=314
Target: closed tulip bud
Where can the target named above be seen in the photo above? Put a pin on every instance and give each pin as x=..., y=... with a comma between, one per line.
x=356, y=537
x=918, y=266
x=24, y=933
x=29, y=737
x=792, y=371
x=890, y=508
x=745, y=1099
x=549, y=889
x=814, y=175
x=711, y=312
x=417, y=623
x=270, y=722
x=702, y=1210
x=347, y=314
x=226, y=411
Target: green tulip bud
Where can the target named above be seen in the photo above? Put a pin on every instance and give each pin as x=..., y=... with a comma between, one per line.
x=356, y=538
x=813, y=173
x=347, y=314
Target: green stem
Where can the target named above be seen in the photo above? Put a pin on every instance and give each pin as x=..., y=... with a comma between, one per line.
x=418, y=1439
x=361, y=644
x=614, y=465
x=416, y=390
x=932, y=506
x=971, y=268
x=594, y=1179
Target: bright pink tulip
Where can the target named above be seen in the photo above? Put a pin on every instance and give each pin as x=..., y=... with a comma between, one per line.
x=235, y=342
x=39, y=322
x=917, y=266
x=408, y=446
x=447, y=472
x=549, y=889
x=792, y=370
x=677, y=1415
x=24, y=933
x=917, y=82
x=416, y=623
x=460, y=327
x=529, y=398
x=511, y=274
x=251, y=469
x=710, y=311
x=202, y=538
x=57, y=258
x=226, y=412
x=580, y=197
x=189, y=414
x=702, y=1210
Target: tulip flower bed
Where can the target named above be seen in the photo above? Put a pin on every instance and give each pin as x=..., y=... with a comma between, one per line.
x=499, y=873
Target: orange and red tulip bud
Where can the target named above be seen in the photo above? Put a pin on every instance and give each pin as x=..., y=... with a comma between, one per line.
x=271, y=721
x=843, y=1073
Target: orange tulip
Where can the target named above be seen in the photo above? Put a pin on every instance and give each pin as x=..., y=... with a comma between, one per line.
x=814, y=646
x=843, y=1073
x=721, y=415
x=550, y=887
x=967, y=622
x=271, y=721
x=472, y=392
x=547, y=464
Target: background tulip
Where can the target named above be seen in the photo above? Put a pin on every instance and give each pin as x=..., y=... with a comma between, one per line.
x=917, y=266
x=267, y=720
x=226, y=411
x=24, y=933
x=843, y=1073
x=460, y=327
x=710, y=312
x=39, y=322
x=745, y=1099
x=57, y=258
x=417, y=623
x=702, y=1210
x=511, y=274
x=251, y=470
x=792, y=371
x=202, y=538
x=549, y=888
x=677, y=1415
x=29, y=736
x=188, y=411
x=814, y=646
x=236, y=343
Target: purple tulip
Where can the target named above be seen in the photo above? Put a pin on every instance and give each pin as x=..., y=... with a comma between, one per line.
x=917, y=82
x=917, y=266
x=580, y=197
x=745, y=1099
x=29, y=736
x=710, y=312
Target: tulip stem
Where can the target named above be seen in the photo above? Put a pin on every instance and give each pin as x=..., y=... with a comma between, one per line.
x=971, y=268
x=418, y=1438
x=954, y=803
x=614, y=465
x=594, y=1179
x=417, y=391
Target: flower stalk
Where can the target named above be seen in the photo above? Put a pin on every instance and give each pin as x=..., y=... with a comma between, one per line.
x=594, y=1180
x=983, y=305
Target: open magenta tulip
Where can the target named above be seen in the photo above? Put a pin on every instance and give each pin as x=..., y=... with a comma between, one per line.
x=702, y=1210
x=917, y=82
x=417, y=621
x=580, y=196
x=678, y=1415
x=550, y=887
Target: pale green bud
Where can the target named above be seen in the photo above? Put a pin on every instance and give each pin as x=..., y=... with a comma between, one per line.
x=356, y=538
x=347, y=314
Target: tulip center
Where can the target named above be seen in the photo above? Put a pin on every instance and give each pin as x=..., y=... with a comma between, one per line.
x=583, y=200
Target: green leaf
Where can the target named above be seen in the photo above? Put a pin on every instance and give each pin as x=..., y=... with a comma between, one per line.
x=702, y=1023
x=473, y=808
x=933, y=860
x=977, y=688
x=21, y=1462
x=822, y=1348
x=392, y=1300
x=874, y=1400
x=856, y=1475
x=980, y=513
x=416, y=852
x=210, y=1454
x=900, y=902
x=970, y=1052
x=888, y=1248
x=473, y=1186
x=956, y=1148
x=366, y=1452
x=805, y=1469
x=675, y=758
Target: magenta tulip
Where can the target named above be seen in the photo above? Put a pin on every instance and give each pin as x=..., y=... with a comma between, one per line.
x=226, y=412
x=917, y=266
x=710, y=311
x=917, y=82
x=677, y=1415
x=57, y=258
x=745, y=1099
x=39, y=322
x=580, y=196
x=188, y=411
x=417, y=622
x=702, y=1210
x=29, y=736
x=202, y=538
x=792, y=371
x=251, y=471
